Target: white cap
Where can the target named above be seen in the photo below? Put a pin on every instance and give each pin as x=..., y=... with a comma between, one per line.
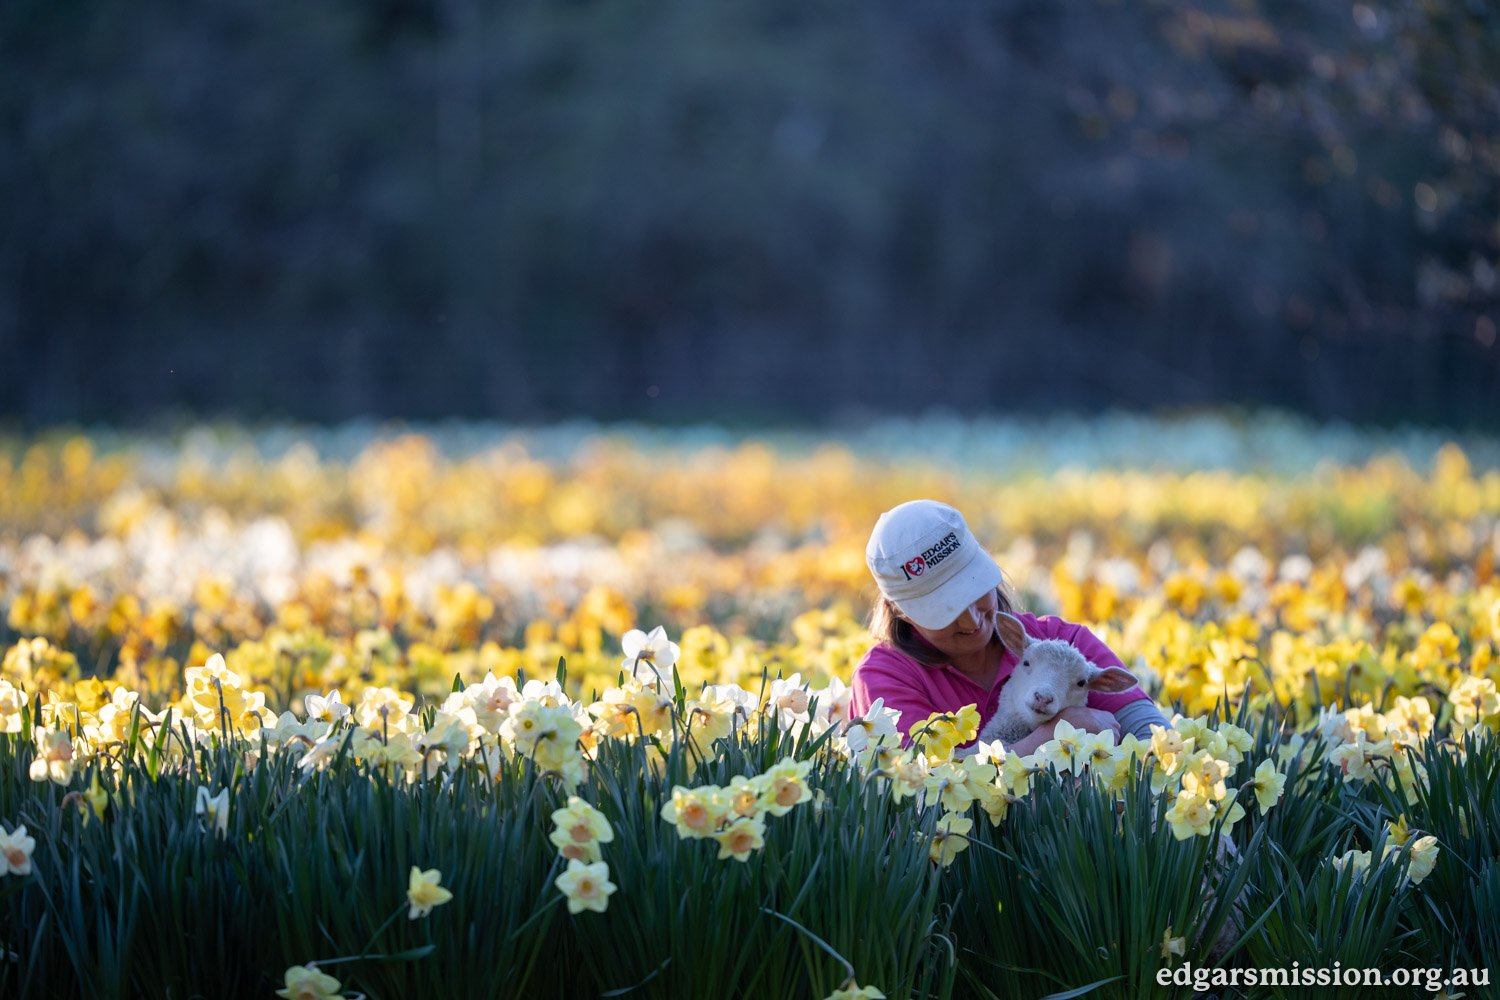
x=928, y=562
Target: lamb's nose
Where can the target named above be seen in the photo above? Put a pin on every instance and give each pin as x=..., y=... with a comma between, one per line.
x=1042, y=700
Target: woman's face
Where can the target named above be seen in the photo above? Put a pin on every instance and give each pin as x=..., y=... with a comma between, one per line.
x=969, y=632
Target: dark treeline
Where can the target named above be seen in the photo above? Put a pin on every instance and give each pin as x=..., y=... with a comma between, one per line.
x=688, y=208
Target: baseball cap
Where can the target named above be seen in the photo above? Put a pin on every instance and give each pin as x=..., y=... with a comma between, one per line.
x=926, y=560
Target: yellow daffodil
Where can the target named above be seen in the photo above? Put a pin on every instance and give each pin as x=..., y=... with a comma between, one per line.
x=423, y=891
x=305, y=982
x=950, y=837
x=693, y=811
x=740, y=837
x=853, y=991
x=1268, y=785
x=785, y=785
x=1171, y=945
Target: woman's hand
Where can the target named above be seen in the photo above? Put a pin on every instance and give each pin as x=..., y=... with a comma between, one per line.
x=1091, y=720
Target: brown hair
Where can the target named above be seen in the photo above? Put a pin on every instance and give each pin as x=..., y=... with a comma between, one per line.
x=887, y=625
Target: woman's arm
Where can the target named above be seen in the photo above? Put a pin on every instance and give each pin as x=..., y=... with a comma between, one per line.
x=1139, y=716
x=880, y=679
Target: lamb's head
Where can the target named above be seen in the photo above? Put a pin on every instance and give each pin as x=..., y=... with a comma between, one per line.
x=1051, y=675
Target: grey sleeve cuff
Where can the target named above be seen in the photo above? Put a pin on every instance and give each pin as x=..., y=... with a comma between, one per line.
x=1139, y=716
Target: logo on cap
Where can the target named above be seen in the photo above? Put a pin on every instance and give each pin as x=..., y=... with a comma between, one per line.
x=932, y=555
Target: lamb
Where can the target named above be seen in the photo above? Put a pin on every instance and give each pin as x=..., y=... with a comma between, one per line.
x=1051, y=675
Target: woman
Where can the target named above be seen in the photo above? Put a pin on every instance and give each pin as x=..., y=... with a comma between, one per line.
x=938, y=645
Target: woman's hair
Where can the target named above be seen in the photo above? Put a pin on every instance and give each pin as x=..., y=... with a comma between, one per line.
x=887, y=625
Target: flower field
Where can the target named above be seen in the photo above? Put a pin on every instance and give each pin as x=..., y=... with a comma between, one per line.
x=467, y=712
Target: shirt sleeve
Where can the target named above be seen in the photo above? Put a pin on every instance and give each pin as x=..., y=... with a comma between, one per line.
x=1138, y=717
x=1097, y=653
x=889, y=677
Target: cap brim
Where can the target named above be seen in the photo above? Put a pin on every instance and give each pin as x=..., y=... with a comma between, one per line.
x=938, y=609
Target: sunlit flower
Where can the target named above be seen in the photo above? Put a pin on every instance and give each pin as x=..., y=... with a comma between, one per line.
x=328, y=708
x=1268, y=785
x=649, y=656
x=54, y=757
x=876, y=722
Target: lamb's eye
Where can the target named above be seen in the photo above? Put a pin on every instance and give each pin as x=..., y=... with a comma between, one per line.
x=1025, y=663
x=1080, y=682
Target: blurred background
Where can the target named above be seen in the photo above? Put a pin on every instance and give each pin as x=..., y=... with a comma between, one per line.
x=784, y=210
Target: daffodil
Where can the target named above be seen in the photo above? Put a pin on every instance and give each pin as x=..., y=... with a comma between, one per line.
x=948, y=786
x=586, y=886
x=1205, y=775
x=1171, y=945
x=305, y=982
x=1016, y=773
x=1064, y=751
x=1191, y=814
x=649, y=656
x=995, y=802
x=1358, y=861
x=54, y=758
x=877, y=721
x=214, y=809
x=579, y=829
x=853, y=991
x=950, y=836
x=1268, y=784
x=693, y=811
x=1424, y=855
x=423, y=892
x=909, y=775
x=743, y=796
x=328, y=708
x=96, y=796
x=742, y=836
x=15, y=851
x=786, y=785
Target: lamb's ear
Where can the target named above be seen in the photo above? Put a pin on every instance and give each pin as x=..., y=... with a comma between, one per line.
x=1111, y=679
x=1012, y=633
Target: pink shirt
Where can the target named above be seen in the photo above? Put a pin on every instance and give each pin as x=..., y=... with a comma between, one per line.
x=917, y=690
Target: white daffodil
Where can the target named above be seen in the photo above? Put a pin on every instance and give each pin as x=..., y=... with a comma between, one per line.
x=649, y=656
x=214, y=809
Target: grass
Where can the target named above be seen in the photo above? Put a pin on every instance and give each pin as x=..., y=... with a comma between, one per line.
x=1073, y=894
